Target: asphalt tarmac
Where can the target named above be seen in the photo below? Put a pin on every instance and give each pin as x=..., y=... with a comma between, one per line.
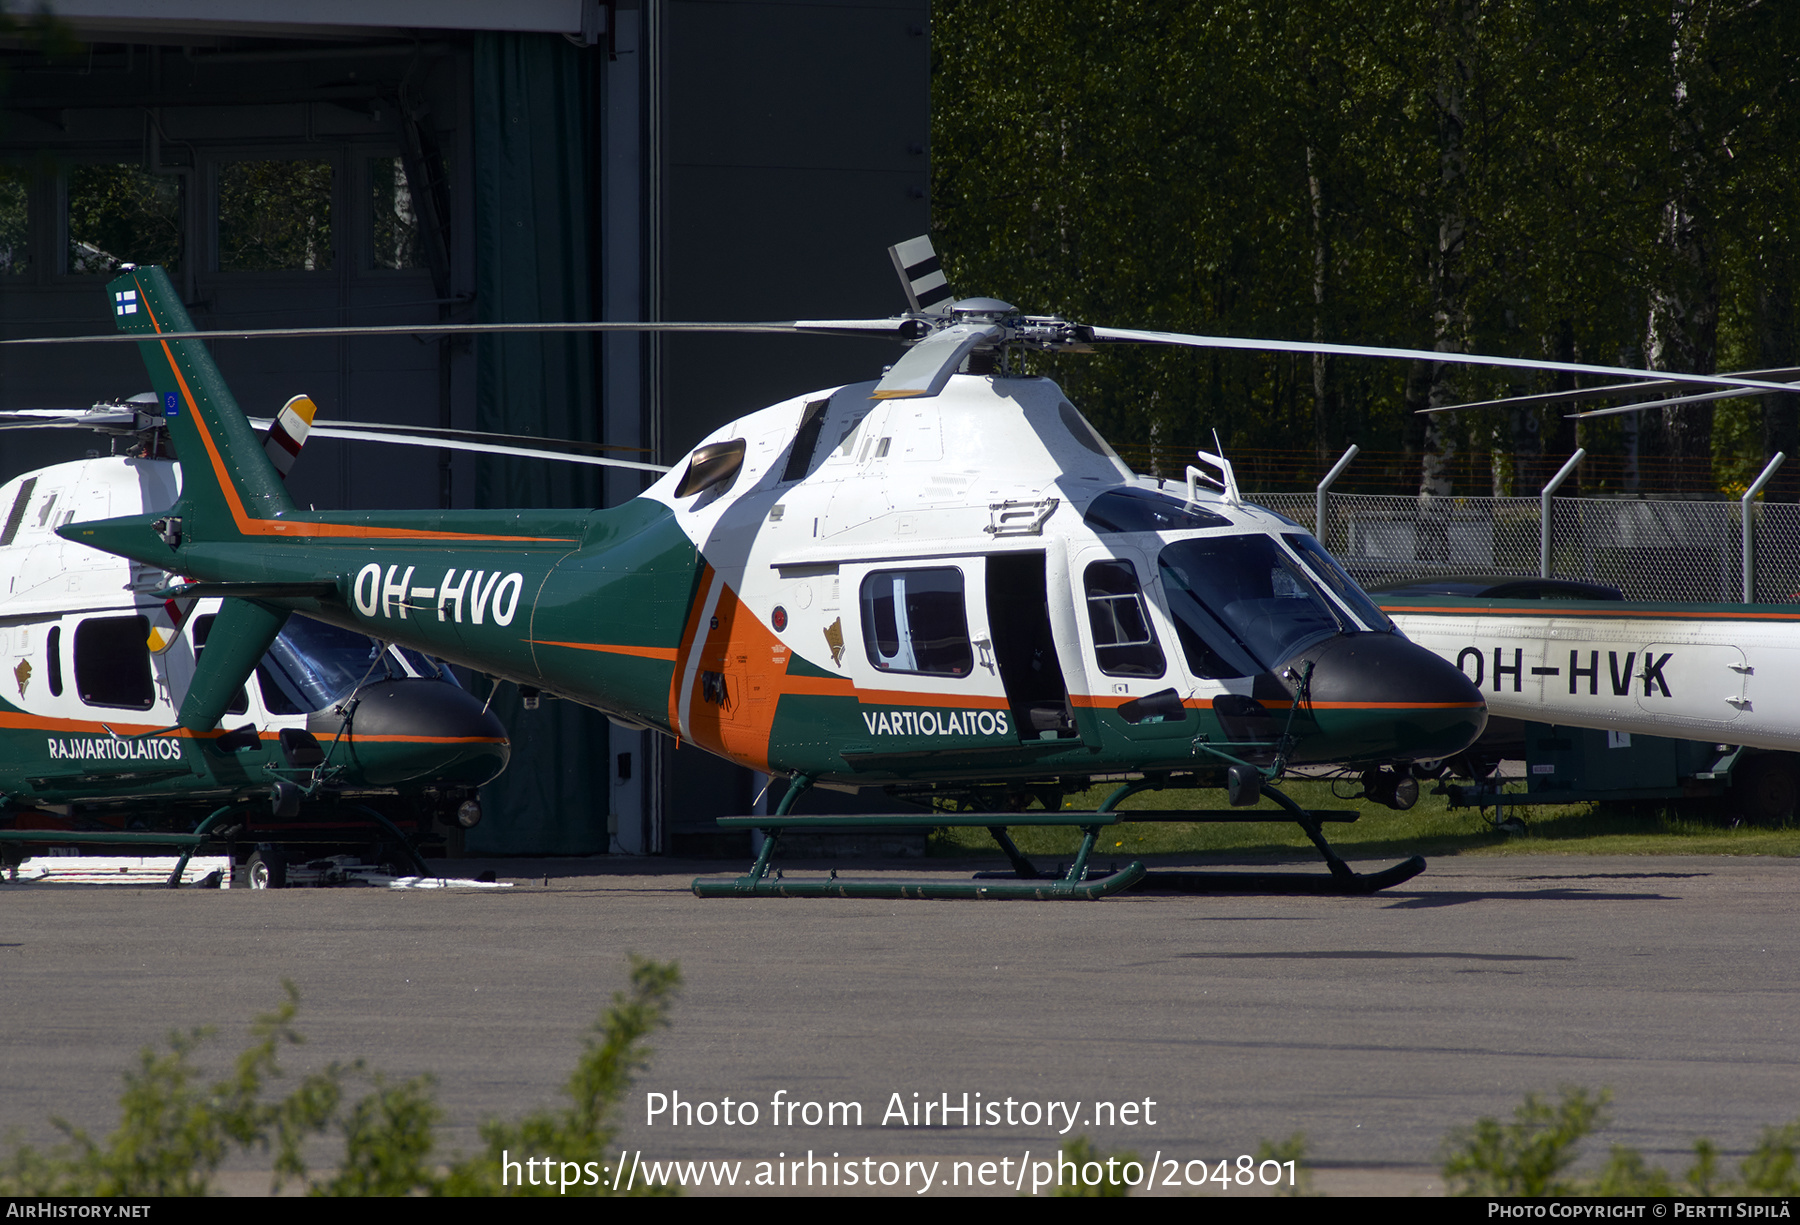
x=1373, y=1025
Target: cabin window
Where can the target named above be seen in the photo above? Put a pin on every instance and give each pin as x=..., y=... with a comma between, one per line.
x=713, y=466
x=112, y=663
x=202, y=628
x=914, y=621
x=276, y=699
x=311, y=665
x=1124, y=642
x=53, y=658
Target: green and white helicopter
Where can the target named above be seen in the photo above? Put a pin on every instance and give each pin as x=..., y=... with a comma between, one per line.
x=329, y=723
x=942, y=583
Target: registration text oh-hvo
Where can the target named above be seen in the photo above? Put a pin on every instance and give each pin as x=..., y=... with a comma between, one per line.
x=480, y=593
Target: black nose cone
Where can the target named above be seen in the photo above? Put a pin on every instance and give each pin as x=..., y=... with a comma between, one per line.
x=1383, y=697
x=417, y=730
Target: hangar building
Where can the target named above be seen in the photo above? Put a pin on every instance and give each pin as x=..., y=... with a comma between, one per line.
x=396, y=161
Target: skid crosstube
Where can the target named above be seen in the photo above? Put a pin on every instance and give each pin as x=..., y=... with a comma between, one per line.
x=1027, y=883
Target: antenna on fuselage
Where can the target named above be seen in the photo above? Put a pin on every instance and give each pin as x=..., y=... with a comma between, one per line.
x=1226, y=480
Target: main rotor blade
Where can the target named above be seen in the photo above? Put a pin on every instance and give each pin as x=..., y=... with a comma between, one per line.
x=928, y=365
x=433, y=431
x=898, y=329
x=1618, y=409
x=67, y=419
x=446, y=444
x=1129, y=336
x=1616, y=389
x=127, y=421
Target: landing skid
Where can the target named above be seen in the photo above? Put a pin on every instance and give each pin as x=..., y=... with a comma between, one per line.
x=1026, y=882
x=1342, y=880
x=1355, y=884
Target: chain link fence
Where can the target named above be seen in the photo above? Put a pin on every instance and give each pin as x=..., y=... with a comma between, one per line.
x=1650, y=550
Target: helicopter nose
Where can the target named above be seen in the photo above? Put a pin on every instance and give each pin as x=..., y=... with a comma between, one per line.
x=413, y=729
x=1382, y=696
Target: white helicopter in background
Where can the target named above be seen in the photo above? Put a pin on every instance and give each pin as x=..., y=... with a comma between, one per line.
x=97, y=666
x=1716, y=674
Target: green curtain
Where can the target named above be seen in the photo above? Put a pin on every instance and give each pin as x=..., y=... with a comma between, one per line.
x=534, y=139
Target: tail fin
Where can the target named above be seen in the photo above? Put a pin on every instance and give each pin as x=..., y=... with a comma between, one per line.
x=227, y=480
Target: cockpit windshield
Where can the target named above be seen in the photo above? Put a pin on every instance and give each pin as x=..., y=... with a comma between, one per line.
x=311, y=665
x=1326, y=570
x=1241, y=605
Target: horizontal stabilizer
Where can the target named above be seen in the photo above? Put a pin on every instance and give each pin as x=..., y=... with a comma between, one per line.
x=287, y=433
x=249, y=591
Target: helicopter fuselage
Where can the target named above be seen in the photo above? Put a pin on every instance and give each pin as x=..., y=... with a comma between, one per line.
x=874, y=584
x=865, y=591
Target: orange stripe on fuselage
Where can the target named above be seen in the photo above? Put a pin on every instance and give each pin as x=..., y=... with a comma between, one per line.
x=281, y=527
x=611, y=648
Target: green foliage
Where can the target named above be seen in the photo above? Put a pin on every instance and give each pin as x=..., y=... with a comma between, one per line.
x=1627, y=1173
x=582, y=1131
x=1770, y=1169
x=1291, y=1149
x=1495, y=176
x=1112, y=1185
x=275, y=216
x=174, y=1131
x=121, y=214
x=388, y=1142
x=1529, y=1155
